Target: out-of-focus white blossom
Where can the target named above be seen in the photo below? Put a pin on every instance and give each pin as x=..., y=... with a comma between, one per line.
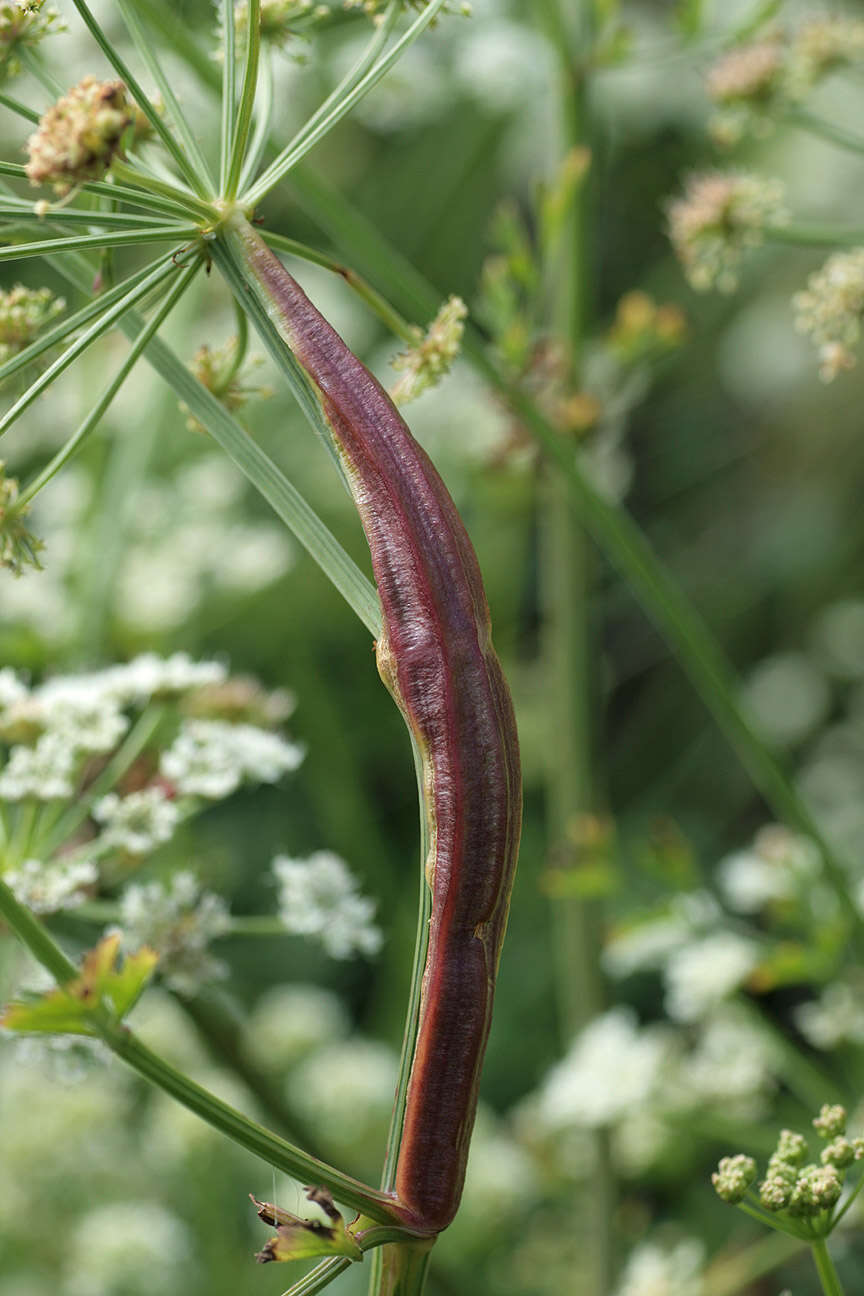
x=648, y=942
x=653, y=1270
x=705, y=972
x=835, y=1018
x=46, y=888
x=318, y=897
x=178, y=920
x=786, y=697
x=137, y=823
x=11, y=688
x=45, y=771
x=829, y=311
x=820, y=45
x=150, y=676
x=291, y=1021
x=732, y=1066
x=838, y=638
x=720, y=217
x=211, y=758
x=346, y=1091
x=78, y=711
x=613, y=1066
x=772, y=868
x=136, y=1247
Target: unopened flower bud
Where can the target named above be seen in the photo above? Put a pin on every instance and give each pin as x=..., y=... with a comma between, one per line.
x=23, y=24
x=839, y=1152
x=830, y=310
x=817, y=1188
x=831, y=1121
x=23, y=313
x=733, y=1177
x=791, y=1148
x=19, y=548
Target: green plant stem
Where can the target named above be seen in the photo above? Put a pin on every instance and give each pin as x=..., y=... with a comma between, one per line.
x=831, y=1284
x=77, y=216
x=97, y=413
x=826, y=130
x=229, y=90
x=79, y=243
x=15, y=106
x=270, y=1147
x=179, y=205
x=401, y=1269
x=565, y=579
x=814, y=235
x=238, y=143
x=263, y=122
x=318, y=1278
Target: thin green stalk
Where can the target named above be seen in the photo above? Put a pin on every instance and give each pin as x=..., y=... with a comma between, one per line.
x=825, y=130
x=850, y=1200
x=104, y=322
x=229, y=90
x=144, y=45
x=247, y=1133
x=15, y=106
x=247, y=99
x=566, y=586
x=97, y=413
x=352, y=77
x=373, y=299
x=347, y=100
x=828, y=1277
x=257, y=466
x=51, y=337
x=78, y=243
x=183, y=163
x=77, y=216
x=145, y=178
x=34, y=65
x=814, y=235
x=318, y=1278
x=120, y=193
x=263, y=122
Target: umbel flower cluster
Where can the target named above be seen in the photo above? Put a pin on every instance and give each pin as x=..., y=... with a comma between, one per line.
x=23, y=24
x=758, y=80
x=794, y=1188
x=100, y=772
x=720, y=217
x=80, y=135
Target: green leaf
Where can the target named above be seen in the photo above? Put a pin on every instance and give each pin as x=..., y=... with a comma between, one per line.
x=102, y=985
x=304, y=1239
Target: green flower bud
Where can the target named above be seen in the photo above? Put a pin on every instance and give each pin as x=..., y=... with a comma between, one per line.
x=19, y=548
x=818, y=1188
x=791, y=1148
x=733, y=1177
x=839, y=1152
x=831, y=1122
x=775, y=1192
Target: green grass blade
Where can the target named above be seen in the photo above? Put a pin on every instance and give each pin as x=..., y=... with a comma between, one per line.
x=229, y=91
x=77, y=216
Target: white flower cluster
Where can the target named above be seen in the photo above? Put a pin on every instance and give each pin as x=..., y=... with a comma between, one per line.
x=772, y=869
x=137, y=823
x=178, y=920
x=829, y=310
x=45, y=888
x=653, y=1270
x=613, y=1067
x=318, y=897
x=211, y=758
x=719, y=218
